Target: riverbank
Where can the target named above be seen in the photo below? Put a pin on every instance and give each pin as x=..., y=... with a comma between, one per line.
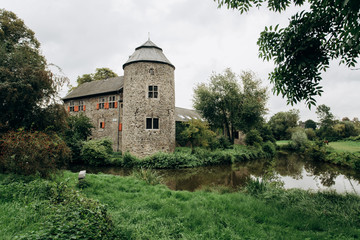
x=136, y=210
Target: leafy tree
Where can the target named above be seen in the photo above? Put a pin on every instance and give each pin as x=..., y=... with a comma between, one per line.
x=198, y=133
x=282, y=123
x=100, y=74
x=329, y=30
x=27, y=85
x=79, y=129
x=310, y=124
x=227, y=106
x=325, y=116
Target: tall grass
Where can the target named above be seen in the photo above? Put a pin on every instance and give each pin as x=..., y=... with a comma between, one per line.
x=137, y=210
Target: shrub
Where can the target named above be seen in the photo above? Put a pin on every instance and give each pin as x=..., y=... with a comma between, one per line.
x=269, y=148
x=310, y=133
x=97, y=152
x=299, y=139
x=29, y=153
x=129, y=160
x=253, y=138
x=79, y=129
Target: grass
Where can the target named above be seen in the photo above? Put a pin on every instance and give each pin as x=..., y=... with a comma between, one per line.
x=345, y=146
x=142, y=211
x=282, y=142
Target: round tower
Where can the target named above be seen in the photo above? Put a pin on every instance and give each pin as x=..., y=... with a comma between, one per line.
x=149, y=102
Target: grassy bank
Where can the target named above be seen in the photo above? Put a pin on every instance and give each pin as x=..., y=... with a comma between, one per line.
x=140, y=211
x=345, y=146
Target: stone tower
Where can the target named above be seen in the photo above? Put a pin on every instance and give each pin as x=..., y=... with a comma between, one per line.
x=149, y=102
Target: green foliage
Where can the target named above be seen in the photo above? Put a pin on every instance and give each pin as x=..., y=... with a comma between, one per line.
x=310, y=133
x=282, y=123
x=299, y=139
x=310, y=124
x=100, y=74
x=30, y=153
x=198, y=133
x=97, y=152
x=227, y=106
x=269, y=148
x=79, y=129
x=60, y=212
x=26, y=83
x=253, y=138
x=325, y=30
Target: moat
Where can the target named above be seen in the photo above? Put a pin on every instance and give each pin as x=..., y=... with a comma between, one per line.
x=290, y=169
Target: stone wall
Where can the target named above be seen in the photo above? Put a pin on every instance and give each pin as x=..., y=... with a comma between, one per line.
x=110, y=117
x=137, y=107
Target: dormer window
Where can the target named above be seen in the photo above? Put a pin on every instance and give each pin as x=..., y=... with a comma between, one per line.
x=153, y=92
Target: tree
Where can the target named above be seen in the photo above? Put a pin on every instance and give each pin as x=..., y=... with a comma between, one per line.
x=329, y=30
x=310, y=124
x=282, y=123
x=27, y=85
x=325, y=116
x=226, y=105
x=100, y=74
x=198, y=133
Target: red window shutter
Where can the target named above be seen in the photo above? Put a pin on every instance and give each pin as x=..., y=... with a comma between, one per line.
x=69, y=109
x=106, y=105
x=120, y=126
x=103, y=124
x=76, y=108
x=84, y=107
x=97, y=106
x=115, y=104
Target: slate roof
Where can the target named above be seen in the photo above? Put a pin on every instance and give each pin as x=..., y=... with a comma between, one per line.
x=96, y=87
x=184, y=115
x=148, y=52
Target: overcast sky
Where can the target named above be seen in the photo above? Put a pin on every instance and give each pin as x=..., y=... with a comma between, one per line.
x=197, y=37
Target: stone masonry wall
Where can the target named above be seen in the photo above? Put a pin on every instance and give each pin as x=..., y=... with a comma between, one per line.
x=137, y=107
x=109, y=116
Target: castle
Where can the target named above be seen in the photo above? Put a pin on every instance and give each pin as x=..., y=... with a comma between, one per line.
x=136, y=111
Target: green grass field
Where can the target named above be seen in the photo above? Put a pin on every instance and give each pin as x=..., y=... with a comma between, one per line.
x=142, y=211
x=345, y=146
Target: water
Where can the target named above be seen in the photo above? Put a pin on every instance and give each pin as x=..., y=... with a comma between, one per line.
x=290, y=169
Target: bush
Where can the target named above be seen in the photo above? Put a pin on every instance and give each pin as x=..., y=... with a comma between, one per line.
x=299, y=139
x=97, y=152
x=253, y=138
x=29, y=153
x=269, y=148
x=310, y=133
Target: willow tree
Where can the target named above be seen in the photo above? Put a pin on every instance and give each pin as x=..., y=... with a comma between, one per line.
x=229, y=105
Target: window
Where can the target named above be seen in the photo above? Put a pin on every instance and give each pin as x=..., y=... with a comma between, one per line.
x=101, y=104
x=151, y=71
x=153, y=92
x=112, y=102
x=152, y=123
x=72, y=105
x=81, y=106
x=102, y=125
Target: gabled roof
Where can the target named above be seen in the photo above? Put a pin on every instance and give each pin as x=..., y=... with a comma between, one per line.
x=184, y=115
x=96, y=87
x=148, y=52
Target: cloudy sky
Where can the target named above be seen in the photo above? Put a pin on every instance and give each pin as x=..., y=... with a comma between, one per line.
x=197, y=37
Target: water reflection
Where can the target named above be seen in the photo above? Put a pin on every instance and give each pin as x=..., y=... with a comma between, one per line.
x=293, y=171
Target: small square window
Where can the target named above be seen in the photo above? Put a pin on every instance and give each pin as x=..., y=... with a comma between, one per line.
x=153, y=92
x=152, y=123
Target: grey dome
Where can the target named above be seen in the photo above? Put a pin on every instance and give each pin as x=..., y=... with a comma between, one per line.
x=148, y=52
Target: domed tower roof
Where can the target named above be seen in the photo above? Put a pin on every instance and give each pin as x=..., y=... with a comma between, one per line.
x=148, y=52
